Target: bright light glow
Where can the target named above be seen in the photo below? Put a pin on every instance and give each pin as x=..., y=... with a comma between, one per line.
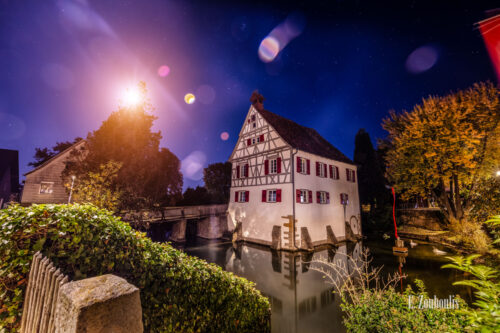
x=131, y=97
x=189, y=98
x=269, y=49
x=498, y=173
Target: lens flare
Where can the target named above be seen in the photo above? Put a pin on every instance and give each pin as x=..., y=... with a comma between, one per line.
x=192, y=165
x=163, y=71
x=189, y=98
x=269, y=49
x=422, y=59
x=224, y=136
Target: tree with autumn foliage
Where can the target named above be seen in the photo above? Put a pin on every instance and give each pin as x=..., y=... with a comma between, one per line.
x=149, y=176
x=447, y=148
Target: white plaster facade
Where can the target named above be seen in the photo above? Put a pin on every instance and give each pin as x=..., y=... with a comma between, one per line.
x=258, y=216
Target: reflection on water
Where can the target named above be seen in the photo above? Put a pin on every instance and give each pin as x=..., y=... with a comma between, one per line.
x=300, y=298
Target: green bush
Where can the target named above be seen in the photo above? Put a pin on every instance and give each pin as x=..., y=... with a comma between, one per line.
x=178, y=293
x=389, y=311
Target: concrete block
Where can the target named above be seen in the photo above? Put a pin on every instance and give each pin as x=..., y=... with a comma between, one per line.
x=105, y=303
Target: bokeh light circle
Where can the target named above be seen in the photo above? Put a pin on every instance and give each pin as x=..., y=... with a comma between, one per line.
x=422, y=59
x=269, y=49
x=189, y=98
x=224, y=136
x=192, y=165
x=163, y=71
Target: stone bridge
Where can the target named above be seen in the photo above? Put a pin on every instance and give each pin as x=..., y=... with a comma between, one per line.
x=211, y=220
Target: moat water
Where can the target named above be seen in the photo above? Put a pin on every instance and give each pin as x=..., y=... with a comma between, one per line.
x=301, y=299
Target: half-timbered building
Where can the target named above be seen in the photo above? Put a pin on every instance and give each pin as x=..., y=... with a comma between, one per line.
x=290, y=188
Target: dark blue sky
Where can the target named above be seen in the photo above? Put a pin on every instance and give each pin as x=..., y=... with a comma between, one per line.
x=64, y=64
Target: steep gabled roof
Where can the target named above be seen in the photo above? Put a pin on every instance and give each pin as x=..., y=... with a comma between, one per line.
x=303, y=138
x=76, y=144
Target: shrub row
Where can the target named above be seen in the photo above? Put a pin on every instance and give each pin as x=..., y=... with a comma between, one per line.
x=179, y=293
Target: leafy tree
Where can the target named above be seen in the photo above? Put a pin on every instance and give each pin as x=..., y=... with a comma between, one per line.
x=445, y=147
x=371, y=179
x=195, y=196
x=149, y=176
x=42, y=155
x=99, y=188
x=372, y=190
x=217, y=178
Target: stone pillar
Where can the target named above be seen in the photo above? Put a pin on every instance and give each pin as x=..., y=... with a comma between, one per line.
x=305, y=240
x=276, y=238
x=209, y=227
x=105, y=303
x=179, y=231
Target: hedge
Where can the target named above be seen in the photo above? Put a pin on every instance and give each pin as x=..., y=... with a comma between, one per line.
x=179, y=293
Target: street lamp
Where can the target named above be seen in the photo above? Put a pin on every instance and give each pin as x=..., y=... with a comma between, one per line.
x=71, y=189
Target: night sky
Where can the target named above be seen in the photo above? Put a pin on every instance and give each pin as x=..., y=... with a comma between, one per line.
x=64, y=65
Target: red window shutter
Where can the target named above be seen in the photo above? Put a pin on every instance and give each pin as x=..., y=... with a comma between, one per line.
x=297, y=195
x=249, y=142
x=237, y=171
x=278, y=165
x=330, y=167
x=310, y=196
x=308, y=167
x=353, y=176
x=236, y=196
x=266, y=167
x=261, y=138
x=348, y=174
x=337, y=176
x=264, y=195
x=327, y=197
x=317, y=168
x=299, y=165
x=246, y=170
x=247, y=196
x=318, y=197
x=278, y=195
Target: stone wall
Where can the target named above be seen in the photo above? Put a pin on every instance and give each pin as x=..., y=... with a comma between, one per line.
x=427, y=218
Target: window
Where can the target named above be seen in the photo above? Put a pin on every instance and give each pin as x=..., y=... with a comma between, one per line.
x=254, y=121
x=273, y=195
x=304, y=196
x=273, y=166
x=321, y=169
x=344, y=199
x=334, y=172
x=350, y=175
x=322, y=197
x=254, y=140
x=241, y=196
x=303, y=166
x=242, y=171
x=46, y=187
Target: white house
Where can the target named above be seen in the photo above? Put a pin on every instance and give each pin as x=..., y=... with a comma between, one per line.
x=285, y=174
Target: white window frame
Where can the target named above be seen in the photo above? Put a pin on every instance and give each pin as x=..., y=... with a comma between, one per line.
x=322, y=170
x=335, y=173
x=241, y=196
x=242, y=171
x=303, y=166
x=343, y=196
x=272, y=195
x=322, y=197
x=304, y=196
x=50, y=187
x=273, y=165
